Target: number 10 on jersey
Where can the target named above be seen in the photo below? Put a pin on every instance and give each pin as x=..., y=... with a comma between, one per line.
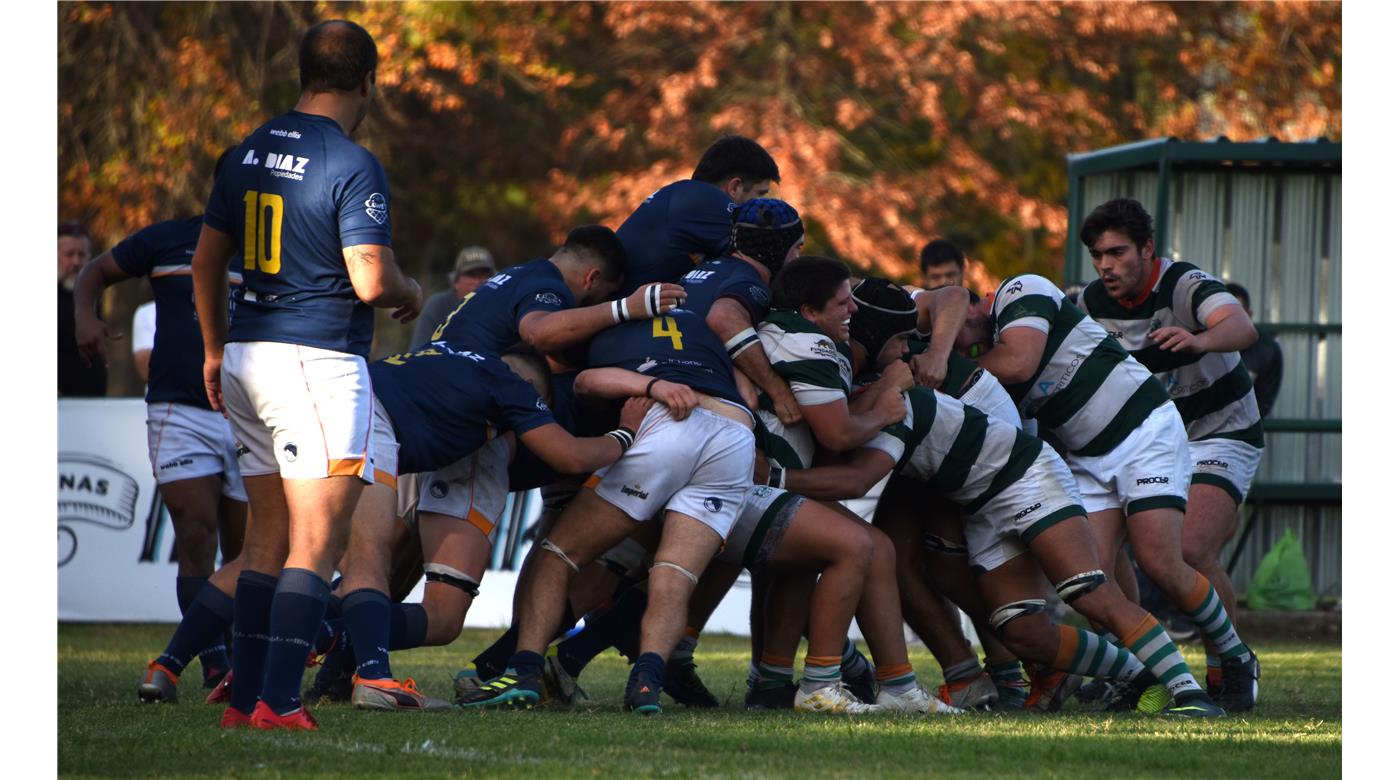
x=262, y=231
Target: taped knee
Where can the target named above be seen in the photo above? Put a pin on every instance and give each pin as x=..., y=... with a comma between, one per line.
x=1016, y=609
x=441, y=572
x=1080, y=584
x=549, y=546
x=935, y=543
x=694, y=580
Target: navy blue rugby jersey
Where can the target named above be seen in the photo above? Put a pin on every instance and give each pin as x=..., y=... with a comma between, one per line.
x=441, y=402
x=675, y=227
x=294, y=194
x=727, y=277
x=488, y=319
x=678, y=347
x=528, y=470
x=163, y=252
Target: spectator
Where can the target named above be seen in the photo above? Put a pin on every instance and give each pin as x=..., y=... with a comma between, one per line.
x=1264, y=358
x=474, y=266
x=74, y=378
x=942, y=264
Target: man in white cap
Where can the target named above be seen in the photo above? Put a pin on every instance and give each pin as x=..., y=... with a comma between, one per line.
x=474, y=266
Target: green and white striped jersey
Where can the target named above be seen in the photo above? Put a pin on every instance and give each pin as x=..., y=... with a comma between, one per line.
x=966, y=455
x=1212, y=390
x=818, y=369
x=1087, y=391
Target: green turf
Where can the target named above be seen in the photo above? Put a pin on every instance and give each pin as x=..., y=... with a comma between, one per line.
x=102, y=730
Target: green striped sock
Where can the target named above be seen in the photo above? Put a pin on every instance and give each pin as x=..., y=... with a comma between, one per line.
x=1094, y=656
x=774, y=672
x=1160, y=655
x=1217, y=630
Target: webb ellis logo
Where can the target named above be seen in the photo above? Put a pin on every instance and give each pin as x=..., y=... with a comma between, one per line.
x=91, y=490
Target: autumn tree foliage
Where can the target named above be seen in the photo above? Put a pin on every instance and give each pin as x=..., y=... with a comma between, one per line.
x=506, y=123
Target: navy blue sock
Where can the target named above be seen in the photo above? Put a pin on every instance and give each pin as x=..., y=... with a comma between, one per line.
x=213, y=655
x=330, y=635
x=526, y=663
x=607, y=629
x=206, y=616
x=366, y=614
x=649, y=668
x=408, y=626
x=252, y=605
x=492, y=661
x=297, y=609
x=186, y=588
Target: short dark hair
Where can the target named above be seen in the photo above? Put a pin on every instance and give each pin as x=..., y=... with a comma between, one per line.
x=533, y=360
x=1238, y=291
x=810, y=280
x=73, y=230
x=736, y=155
x=336, y=55
x=938, y=252
x=603, y=244
x=1121, y=214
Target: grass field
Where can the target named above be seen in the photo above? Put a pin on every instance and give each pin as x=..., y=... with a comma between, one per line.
x=102, y=730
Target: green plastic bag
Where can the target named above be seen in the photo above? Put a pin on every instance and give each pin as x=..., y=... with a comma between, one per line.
x=1283, y=581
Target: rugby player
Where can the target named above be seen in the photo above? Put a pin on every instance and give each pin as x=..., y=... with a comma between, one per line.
x=1018, y=496
x=435, y=406
x=305, y=212
x=688, y=221
x=1185, y=327
x=191, y=447
x=1123, y=440
x=696, y=469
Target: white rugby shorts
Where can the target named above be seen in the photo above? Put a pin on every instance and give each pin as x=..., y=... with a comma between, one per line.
x=701, y=467
x=759, y=528
x=1003, y=528
x=1226, y=463
x=187, y=442
x=384, y=448
x=473, y=489
x=1150, y=469
x=302, y=412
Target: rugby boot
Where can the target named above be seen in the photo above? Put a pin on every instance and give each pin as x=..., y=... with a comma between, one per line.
x=1215, y=682
x=685, y=686
x=234, y=719
x=1193, y=704
x=509, y=691
x=779, y=698
x=465, y=680
x=1241, y=684
x=916, y=700
x=974, y=693
x=1049, y=689
x=158, y=685
x=835, y=698
x=643, y=697
x=335, y=679
x=220, y=693
x=214, y=677
x=391, y=695
x=862, y=686
x=1153, y=699
x=265, y=719
x=1096, y=692
x=562, y=687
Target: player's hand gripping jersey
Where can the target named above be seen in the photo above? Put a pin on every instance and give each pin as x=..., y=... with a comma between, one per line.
x=487, y=321
x=817, y=369
x=163, y=252
x=678, y=347
x=1087, y=391
x=675, y=227
x=292, y=196
x=1212, y=390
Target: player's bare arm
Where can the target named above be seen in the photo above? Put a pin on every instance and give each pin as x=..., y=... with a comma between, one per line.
x=728, y=318
x=838, y=429
x=1228, y=329
x=379, y=282
x=621, y=383
x=1017, y=356
x=569, y=454
x=549, y=332
x=92, y=333
x=941, y=314
x=861, y=470
x=210, y=271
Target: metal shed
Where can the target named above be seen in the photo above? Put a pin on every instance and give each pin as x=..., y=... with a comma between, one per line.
x=1267, y=215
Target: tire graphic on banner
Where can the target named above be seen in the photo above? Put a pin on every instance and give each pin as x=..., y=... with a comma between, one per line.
x=94, y=490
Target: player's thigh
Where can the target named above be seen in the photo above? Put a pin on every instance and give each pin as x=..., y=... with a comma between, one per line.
x=371, y=543
x=1067, y=549
x=452, y=542
x=818, y=536
x=267, y=536
x=1211, y=518
x=687, y=542
x=589, y=526
x=193, y=504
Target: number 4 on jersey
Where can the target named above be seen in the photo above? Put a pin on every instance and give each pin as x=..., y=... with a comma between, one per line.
x=666, y=328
